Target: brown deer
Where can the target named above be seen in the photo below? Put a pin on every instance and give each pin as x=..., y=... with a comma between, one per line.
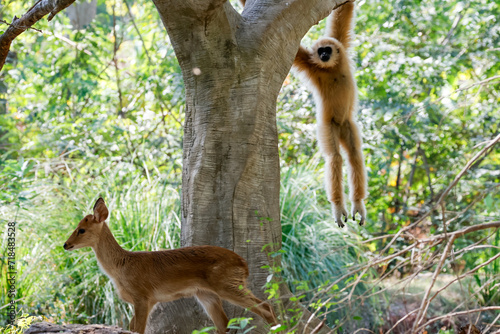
x=143, y=279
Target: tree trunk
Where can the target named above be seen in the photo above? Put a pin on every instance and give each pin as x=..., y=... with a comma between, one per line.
x=233, y=68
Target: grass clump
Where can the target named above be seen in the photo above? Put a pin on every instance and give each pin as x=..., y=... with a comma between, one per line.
x=317, y=255
x=68, y=287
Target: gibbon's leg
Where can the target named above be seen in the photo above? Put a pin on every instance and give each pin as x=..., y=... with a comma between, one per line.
x=328, y=139
x=339, y=24
x=351, y=141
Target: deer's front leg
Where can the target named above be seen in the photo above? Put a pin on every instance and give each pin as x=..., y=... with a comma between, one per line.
x=138, y=322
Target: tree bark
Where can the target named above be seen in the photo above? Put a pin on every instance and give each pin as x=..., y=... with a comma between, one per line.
x=233, y=67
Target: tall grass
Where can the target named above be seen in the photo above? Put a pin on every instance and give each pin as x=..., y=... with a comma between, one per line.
x=317, y=252
x=68, y=287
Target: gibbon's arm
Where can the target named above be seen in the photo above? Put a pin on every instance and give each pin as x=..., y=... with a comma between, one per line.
x=339, y=24
x=302, y=60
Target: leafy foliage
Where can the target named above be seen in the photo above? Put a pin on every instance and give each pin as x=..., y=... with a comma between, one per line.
x=100, y=111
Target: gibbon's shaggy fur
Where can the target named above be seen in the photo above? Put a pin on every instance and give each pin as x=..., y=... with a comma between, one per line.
x=328, y=71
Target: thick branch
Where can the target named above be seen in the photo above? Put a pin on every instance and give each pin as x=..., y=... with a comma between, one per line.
x=34, y=14
x=199, y=11
x=197, y=36
x=284, y=22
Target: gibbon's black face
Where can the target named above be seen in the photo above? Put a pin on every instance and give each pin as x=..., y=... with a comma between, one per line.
x=325, y=53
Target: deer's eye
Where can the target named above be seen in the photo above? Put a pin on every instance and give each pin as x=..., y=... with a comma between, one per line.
x=81, y=231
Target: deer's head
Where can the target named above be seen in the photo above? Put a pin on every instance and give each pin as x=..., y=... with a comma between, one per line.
x=89, y=228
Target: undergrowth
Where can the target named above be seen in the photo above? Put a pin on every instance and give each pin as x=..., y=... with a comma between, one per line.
x=68, y=287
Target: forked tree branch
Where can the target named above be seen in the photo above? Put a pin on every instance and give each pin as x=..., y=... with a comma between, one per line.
x=288, y=21
x=33, y=15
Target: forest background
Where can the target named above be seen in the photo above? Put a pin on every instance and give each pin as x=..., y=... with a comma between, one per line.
x=100, y=111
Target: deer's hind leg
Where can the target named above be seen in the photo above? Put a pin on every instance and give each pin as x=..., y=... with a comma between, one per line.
x=242, y=296
x=213, y=307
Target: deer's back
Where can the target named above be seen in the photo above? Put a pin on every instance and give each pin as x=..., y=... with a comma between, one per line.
x=179, y=272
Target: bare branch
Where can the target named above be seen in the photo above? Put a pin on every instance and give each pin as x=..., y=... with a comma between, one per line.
x=449, y=315
x=462, y=232
x=138, y=31
x=20, y=25
x=412, y=174
x=317, y=328
x=426, y=301
x=401, y=320
x=495, y=321
x=455, y=25
x=465, y=275
x=116, y=46
x=427, y=170
x=493, y=142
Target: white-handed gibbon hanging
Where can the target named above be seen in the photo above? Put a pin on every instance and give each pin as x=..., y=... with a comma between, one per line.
x=328, y=71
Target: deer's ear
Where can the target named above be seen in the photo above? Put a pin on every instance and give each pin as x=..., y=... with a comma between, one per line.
x=100, y=210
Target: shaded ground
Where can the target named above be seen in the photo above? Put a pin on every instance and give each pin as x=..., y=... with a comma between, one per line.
x=406, y=297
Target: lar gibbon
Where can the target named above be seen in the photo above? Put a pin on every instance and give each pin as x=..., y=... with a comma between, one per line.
x=328, y=71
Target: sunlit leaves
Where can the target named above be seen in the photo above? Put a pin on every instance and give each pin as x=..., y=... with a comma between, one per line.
x=66, y=91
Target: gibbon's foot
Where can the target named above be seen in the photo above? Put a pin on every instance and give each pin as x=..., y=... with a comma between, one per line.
x=339, y=211
x=358, y=207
